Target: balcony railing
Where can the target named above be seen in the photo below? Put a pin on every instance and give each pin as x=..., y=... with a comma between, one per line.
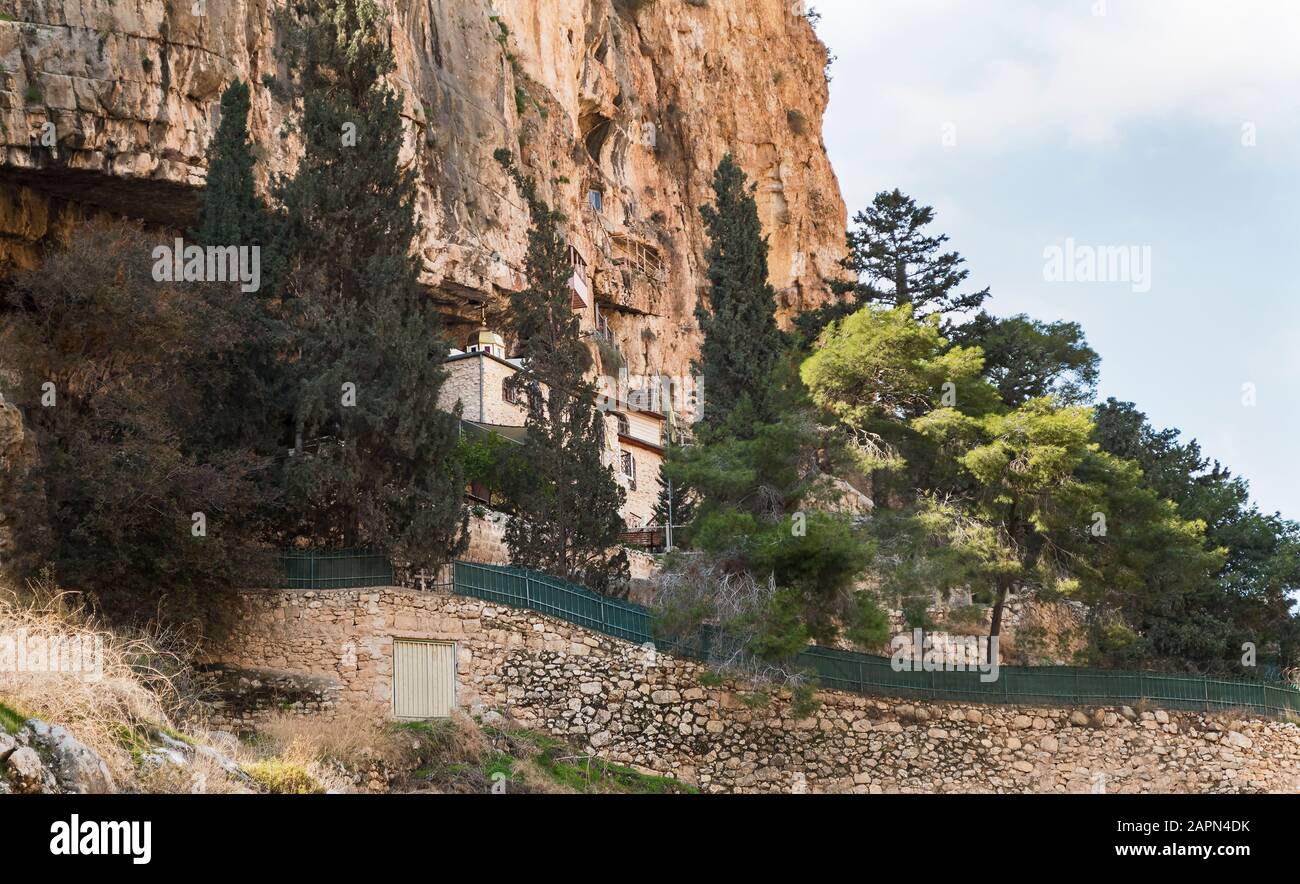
x=581, y=291
x=650, y=537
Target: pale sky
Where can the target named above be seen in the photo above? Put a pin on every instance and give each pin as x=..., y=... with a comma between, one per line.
x=1169, y=125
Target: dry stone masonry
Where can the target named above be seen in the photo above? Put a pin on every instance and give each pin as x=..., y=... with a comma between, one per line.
x=631, y=705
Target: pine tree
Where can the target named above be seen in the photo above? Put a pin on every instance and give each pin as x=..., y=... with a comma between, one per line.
x=893, y=262
x=1026, y=358
x=566, y=515
x=753, y=466
x=742, y=345
x=374, y=458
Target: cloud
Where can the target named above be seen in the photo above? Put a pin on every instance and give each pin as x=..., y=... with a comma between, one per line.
x=1020, y=72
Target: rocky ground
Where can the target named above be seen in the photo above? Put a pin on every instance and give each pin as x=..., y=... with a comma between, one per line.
x=41, y=758
x=298, y=756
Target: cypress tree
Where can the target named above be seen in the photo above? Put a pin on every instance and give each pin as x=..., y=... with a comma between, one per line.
x=231, y=213
x=242, y=381
x=566, y=520
x=742, y=345
x=373, y=459
x=674, y=500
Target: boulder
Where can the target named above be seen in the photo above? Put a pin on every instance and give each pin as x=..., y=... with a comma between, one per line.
x=7, y=745
x=27, y=776
x=1240, y=740
x=76, y=767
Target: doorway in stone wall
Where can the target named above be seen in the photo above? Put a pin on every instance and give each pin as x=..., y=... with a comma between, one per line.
x=424, y=679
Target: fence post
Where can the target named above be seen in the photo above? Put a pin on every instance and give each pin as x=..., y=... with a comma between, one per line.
x=862, y=678
x=1205, y=689
x=528, y=590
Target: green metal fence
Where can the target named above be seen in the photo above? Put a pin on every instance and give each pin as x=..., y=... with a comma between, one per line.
x=870, y=674
x=522, y=588
x=335, y=569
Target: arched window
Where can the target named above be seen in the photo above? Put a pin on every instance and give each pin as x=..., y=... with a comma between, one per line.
x=509, y=393
x=623, y=428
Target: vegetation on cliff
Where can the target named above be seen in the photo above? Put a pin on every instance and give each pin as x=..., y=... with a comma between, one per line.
x=988, y=467
x=185, y=430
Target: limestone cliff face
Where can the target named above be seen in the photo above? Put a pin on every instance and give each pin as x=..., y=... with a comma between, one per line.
x=635, y=106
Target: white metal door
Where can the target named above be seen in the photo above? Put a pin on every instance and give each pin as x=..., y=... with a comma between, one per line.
x=424, y=679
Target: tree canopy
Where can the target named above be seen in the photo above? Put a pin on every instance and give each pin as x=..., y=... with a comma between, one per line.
x=892, y=261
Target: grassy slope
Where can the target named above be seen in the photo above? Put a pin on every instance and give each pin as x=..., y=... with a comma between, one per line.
x=10, y=720
x=524, y=760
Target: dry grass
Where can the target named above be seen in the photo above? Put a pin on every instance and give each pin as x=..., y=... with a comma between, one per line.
x=353, y=740
x=455, y=755
x=202, y=776
x=344, y=752
x=136, y=687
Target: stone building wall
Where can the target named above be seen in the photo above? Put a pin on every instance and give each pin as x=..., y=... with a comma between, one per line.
x=487, y=538
x=464, y=376
x=631, y=705
x=476, y=383
x=639, y=505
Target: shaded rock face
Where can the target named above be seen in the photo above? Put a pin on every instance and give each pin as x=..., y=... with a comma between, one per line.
x=17, y=453
x=637, y=107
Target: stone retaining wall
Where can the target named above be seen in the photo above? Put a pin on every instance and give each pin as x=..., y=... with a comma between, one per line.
x=630, y=705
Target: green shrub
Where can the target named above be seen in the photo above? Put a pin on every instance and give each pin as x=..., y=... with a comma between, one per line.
x=282, y=777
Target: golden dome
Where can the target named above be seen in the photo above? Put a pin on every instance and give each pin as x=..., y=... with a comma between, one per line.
x=484, y=340
x=485, y=336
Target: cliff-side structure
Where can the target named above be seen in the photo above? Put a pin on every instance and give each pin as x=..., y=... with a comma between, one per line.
x=620, y=109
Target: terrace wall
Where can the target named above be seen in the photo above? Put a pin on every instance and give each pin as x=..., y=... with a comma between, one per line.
x=325, y=652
